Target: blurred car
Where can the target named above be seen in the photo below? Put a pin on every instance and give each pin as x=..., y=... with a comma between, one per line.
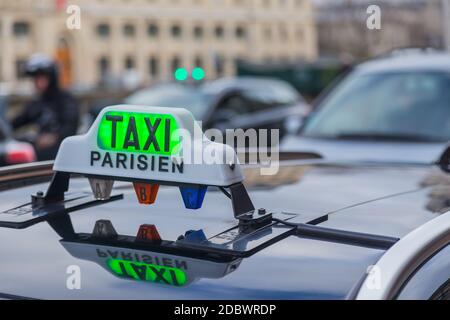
x=229, y=103
x=394, y=108
x=11, y=150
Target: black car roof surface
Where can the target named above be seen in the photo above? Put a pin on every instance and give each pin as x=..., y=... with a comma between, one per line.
x=383, y=199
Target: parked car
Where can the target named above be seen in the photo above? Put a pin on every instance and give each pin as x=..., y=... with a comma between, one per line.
x=395, y=108
x=11, y=150
x=229, y=103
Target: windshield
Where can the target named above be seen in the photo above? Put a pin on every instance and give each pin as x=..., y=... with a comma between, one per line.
x=173, y=96
x=263, y=90
x=403, y=106
x=272, y=92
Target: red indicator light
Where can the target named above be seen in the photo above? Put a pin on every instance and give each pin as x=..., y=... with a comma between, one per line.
x=19, y=153
x=145, y=192
x=148, y=232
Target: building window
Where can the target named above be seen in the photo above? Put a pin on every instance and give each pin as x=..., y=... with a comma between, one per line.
x=268, y=33
x=129, y=63
x=103, y=30
x=129, y=30
x=20, y=68
x=240, y=32
x=153, y=66
x=21, y=29
x=219, y=31
x=176, y=31
x=267, y=3
x=198, y=62
x=153, y=30
x=219, y=65
x=198, y=32
x=300, y=34
x=175, y=63
x=283, y=32
x=103, y=67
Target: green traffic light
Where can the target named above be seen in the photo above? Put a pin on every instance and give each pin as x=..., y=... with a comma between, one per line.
x=181, y=74
x=198, y=74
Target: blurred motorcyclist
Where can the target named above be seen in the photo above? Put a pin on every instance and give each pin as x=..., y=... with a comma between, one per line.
x=54, y=111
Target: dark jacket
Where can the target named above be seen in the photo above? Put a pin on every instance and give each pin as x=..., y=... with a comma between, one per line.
x=56, y=111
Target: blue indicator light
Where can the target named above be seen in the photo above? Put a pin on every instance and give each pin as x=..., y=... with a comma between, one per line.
x=195, y=236
x=193, y=196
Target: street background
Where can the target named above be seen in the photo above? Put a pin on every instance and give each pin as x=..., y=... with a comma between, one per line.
x=107, y=49
x=122, y=45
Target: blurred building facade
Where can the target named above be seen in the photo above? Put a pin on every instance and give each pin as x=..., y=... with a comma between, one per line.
x=343, y=33
x=146, y=40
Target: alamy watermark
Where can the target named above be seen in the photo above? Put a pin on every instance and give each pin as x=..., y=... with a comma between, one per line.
x=373, y=21
x=73, y=21
x=73, y=281
x=374, y=278
x=213, y=146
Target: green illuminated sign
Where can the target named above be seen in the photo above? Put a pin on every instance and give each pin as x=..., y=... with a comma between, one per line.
x=138, y=132
x=198, y=74
x=181, y=74
x=147, y=272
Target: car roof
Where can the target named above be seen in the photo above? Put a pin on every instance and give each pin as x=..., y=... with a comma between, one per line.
x=407, y=61
x=230, y=83
x=383, y=199
x=221, y=86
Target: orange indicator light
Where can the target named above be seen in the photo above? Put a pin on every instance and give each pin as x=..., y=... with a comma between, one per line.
x=145, y=192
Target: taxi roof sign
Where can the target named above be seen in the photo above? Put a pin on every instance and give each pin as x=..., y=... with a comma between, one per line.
x=150, y=146
x=140, y=143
